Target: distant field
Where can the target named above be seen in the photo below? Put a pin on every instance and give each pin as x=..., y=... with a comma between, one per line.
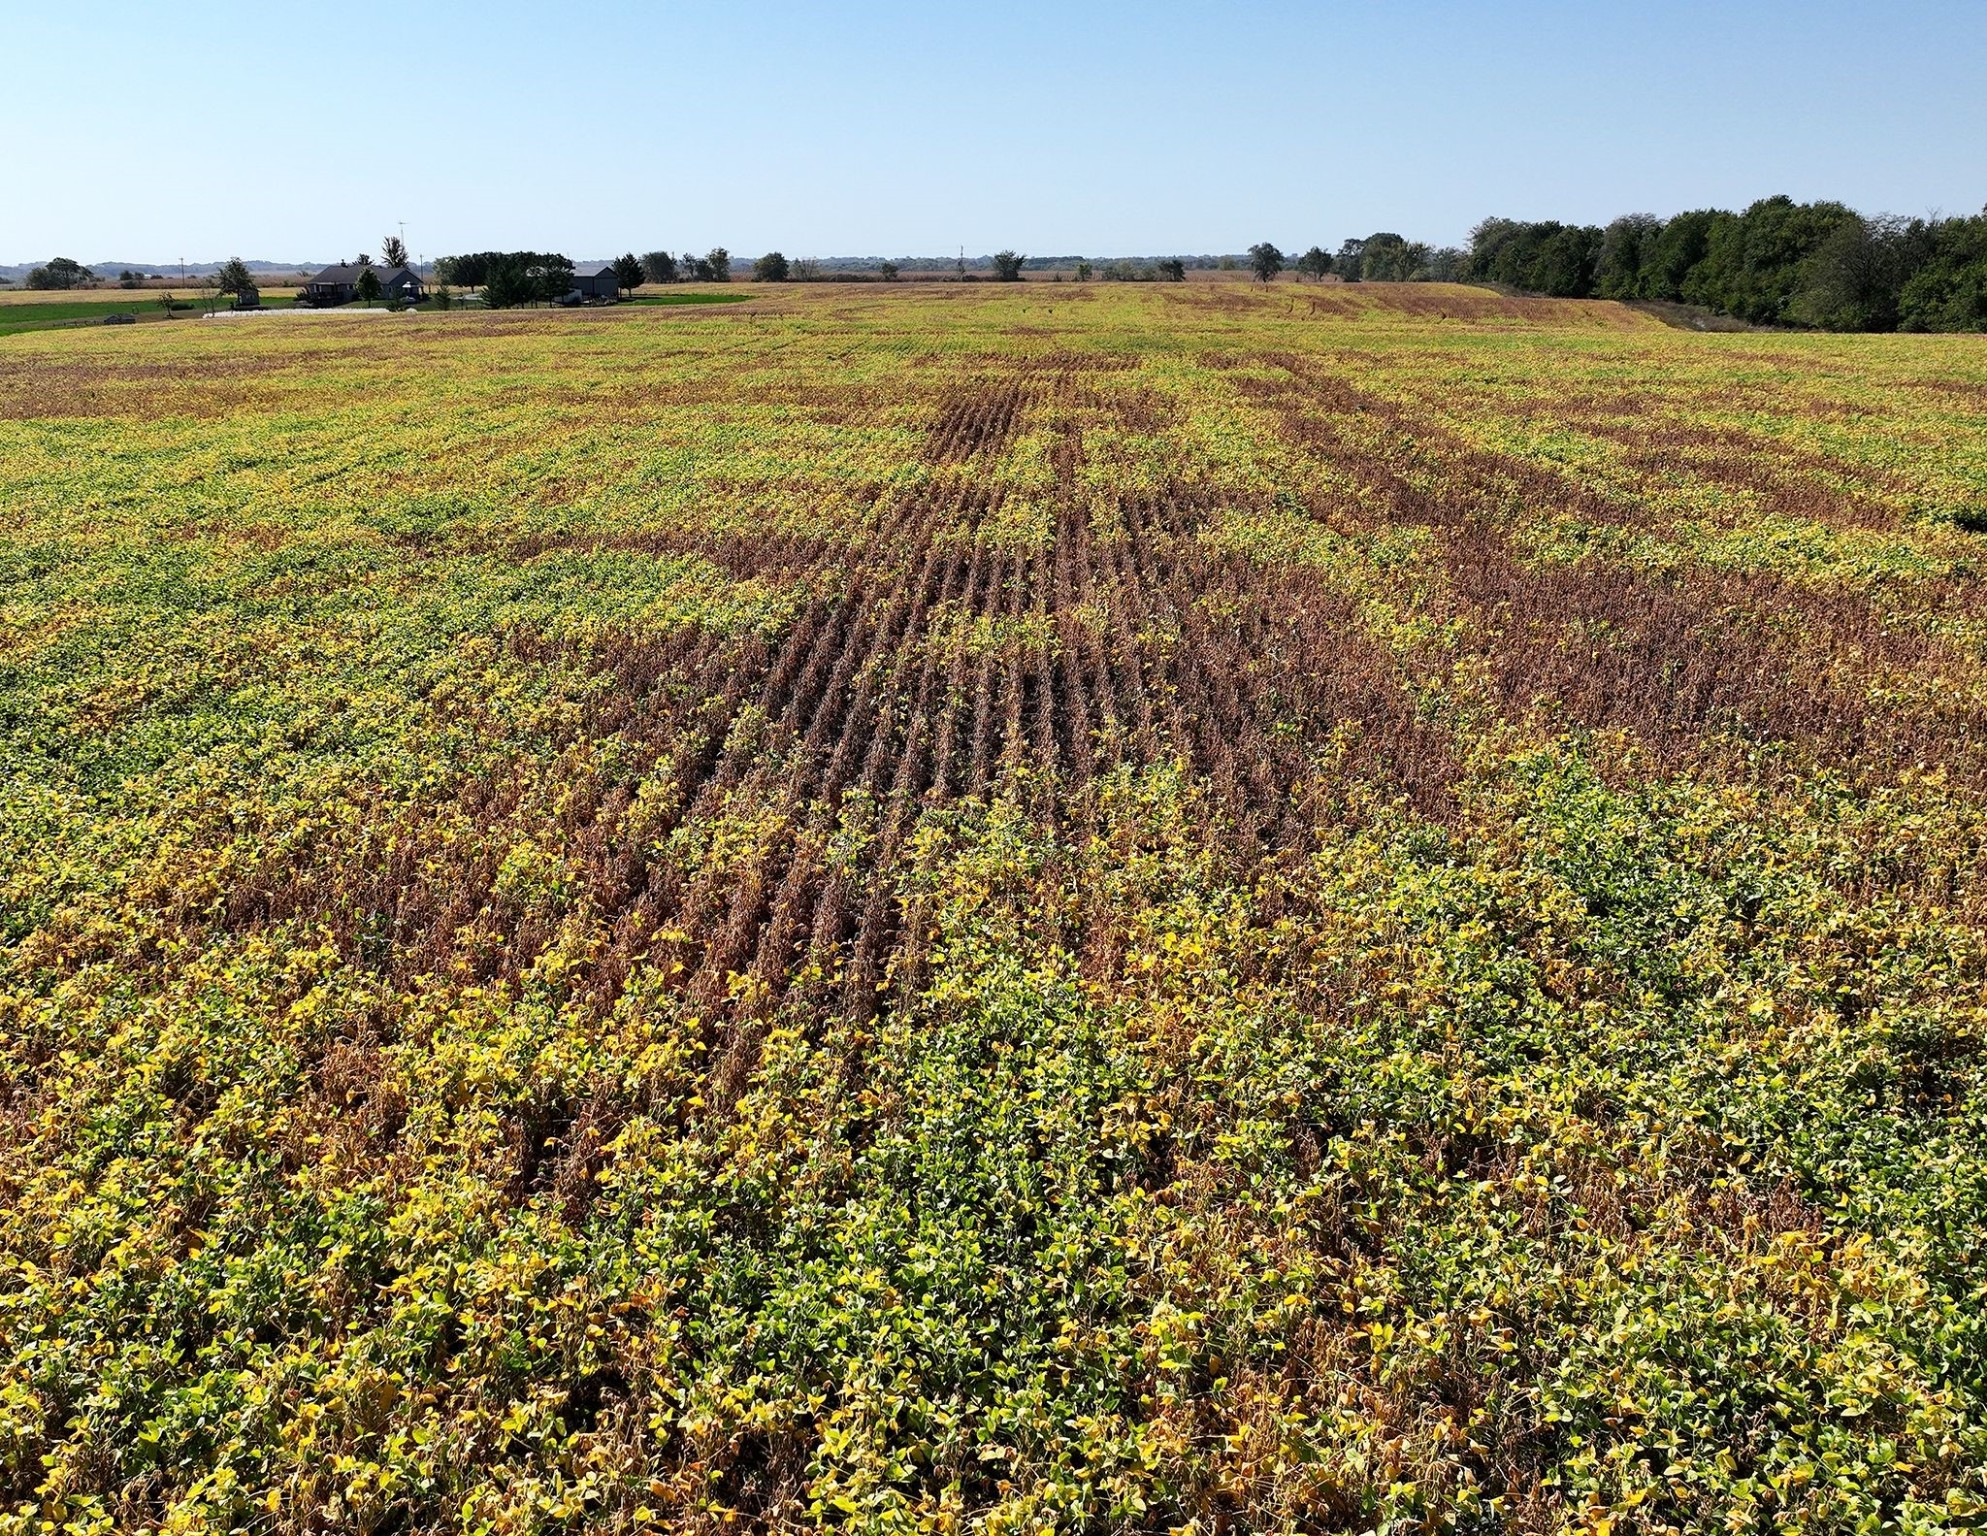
x=1108, y=909
x=40, y=311
x=63, y=312
x=35, y=310
x=14, y=296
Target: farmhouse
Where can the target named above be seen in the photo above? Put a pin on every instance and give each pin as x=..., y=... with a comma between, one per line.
x=595, y=282
x=340, y=285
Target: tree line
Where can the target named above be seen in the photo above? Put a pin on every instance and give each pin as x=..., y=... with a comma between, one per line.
x=1818, y=265
x=1378, y=258
x=511, y=278
x=476, y=269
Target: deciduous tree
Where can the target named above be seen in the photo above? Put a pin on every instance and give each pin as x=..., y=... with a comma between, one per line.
x=1314, y=263
x=238, y=283
x=1624, y=246
x=61, y=272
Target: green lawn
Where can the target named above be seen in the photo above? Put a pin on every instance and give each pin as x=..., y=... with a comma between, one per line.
x=57, y=312
x=688, y=298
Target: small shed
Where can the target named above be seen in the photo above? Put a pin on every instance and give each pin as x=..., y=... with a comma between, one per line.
x=596, y=282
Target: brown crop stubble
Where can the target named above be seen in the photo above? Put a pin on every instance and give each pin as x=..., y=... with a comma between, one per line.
x=1141, y=647
x=1092, y=650
x=1693, y=662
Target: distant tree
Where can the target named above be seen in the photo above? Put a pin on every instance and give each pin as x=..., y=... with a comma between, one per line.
x=524, y=277
x=60, y=272
x=629, y=272
x=1445, y=265
x=507, y=283
x=1084, y=271
x=1386, y=257
x=1780, y=262
x=552, y=276
x=888, y=271
x=1007, y=266
x=1351, y=260
x=1228, y=264
x=1783, y=240
x=1856, y=279
x=1314, y=263
x=770, y=268
x=719, y=261
x=364, y=260
x=1947, y=290
x=444, y=296
x=472, y=270
x=235, y=280
x=1668, y=259
x=393, y=251
x=1566, y=262
x=1550, y=258
x=1625, y=245
x=1382, y=258
x=1173, y=270
x=368, y=284
x=1265, y=260
x=1752, y=263
x=659, y=267
x=1717, y=279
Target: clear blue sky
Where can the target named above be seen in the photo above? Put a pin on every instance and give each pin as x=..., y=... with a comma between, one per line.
x=877, y=127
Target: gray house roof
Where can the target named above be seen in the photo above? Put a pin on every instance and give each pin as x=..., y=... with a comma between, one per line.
x=593, y=269
x=346, y=275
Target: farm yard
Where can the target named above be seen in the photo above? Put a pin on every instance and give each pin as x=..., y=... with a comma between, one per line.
x=973, y=909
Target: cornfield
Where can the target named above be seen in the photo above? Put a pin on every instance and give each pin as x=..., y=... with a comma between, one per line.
x=1106, y=909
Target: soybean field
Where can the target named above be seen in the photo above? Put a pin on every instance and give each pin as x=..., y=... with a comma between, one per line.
x=993, y=909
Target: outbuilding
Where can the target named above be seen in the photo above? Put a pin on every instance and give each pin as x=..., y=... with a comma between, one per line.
x=596, y=282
